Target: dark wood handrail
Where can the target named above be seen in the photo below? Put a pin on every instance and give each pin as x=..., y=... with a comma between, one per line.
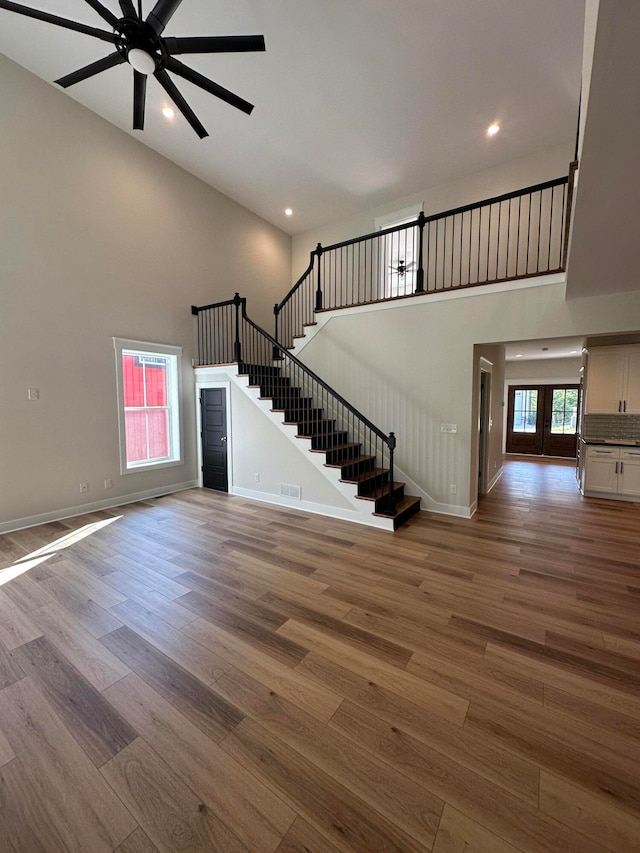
x=476, y=205
x=279, y=305
x=305, y=369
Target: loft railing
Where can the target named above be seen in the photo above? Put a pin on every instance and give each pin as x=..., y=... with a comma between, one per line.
x=225, y=334
x=516, y=235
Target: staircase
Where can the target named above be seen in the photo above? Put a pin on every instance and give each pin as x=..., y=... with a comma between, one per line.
x=341, y=451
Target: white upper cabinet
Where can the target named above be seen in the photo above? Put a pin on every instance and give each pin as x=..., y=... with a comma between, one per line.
x=613, y=380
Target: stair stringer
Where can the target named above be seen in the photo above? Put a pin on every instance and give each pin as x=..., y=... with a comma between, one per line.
x=360, y=511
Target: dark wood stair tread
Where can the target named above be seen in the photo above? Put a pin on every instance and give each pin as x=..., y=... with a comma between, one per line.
x=347, y=463
x=381, y=492
x=405, y=508
x=349, y=446
x=371, y=474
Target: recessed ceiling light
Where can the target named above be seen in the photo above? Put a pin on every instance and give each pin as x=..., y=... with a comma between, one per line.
x=493, y=129
x=167, y=112
x=288, y=212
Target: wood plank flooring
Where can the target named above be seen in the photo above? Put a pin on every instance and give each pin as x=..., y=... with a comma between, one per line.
x=203, y=673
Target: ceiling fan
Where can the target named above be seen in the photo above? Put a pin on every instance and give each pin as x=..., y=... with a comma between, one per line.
x=140, y=42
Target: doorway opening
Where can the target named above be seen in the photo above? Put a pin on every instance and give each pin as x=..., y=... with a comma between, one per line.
x=542, y=420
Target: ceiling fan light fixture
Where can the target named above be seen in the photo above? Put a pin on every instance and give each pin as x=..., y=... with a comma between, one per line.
x=141, y=61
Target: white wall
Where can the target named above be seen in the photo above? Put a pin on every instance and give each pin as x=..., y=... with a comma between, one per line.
x=412, y=366
x=547, y=164
x=101, y=237
x=545, y=370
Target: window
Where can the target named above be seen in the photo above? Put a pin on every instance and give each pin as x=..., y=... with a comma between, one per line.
x=398, y=252
x=564, y=412
x=148, y=382
x=525, y=410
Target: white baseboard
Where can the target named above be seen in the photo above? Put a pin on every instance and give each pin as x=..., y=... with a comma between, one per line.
x=71, y=511
x=495, y=479
x=315, y=508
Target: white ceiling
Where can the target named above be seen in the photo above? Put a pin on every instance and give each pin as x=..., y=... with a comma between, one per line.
x=544, y=349
x=357, y=102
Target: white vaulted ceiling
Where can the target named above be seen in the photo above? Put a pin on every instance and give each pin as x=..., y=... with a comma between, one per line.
x=357, y=102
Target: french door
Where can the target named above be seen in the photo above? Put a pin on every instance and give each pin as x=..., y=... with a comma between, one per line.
x=542, y=419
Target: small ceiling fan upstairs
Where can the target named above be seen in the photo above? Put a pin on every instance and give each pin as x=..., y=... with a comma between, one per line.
x=141, y=43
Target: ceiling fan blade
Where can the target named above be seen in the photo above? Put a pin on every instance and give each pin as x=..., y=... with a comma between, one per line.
x=54, y=19
x=108, y=16
x=214, y=44
x=89, y=70
x=208, y=85
x=139, y=98
x=161, y=14
x=170, y=88
x=128, y=9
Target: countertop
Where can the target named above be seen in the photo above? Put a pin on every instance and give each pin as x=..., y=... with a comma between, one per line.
x=615, y=442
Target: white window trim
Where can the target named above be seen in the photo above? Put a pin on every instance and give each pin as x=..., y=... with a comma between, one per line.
x=396, y=217
x=145, y=348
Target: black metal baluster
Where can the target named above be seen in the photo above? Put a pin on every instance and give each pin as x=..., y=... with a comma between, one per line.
x=470, y=238
x=497, y=275
x=420, y=272
x=489, y=240
x=479, y=238
x=553, y=190
x=453, y=244
x=539, y=227
x=528, y=237
x=506, y=269
x=237, y=350
x=461, y=236
x=319, y=280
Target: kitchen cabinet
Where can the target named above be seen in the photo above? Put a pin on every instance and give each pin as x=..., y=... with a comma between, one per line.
x=612, y=471
x=629, y=476
x=613, y=380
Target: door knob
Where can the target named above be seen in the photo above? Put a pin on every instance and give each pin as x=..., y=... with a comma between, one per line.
x=223, y=438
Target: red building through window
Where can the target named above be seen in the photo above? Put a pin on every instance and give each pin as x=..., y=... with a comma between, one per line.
x=146, y=411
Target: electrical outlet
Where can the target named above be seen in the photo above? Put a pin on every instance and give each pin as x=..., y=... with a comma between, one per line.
x=33, y=394
x=448, y=427
x=84, y=487
x=107, y=483
x=453, y=489
x=256, y=477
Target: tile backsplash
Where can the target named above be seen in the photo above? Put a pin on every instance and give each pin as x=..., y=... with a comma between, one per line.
x=598, y=427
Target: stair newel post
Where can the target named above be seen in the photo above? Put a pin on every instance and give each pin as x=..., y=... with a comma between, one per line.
x=391, y=444
x=237, y=347
x=420, y=273
x=276, y=350
x=319, y=280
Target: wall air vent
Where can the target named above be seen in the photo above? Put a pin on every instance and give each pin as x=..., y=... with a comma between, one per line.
x=289, y=491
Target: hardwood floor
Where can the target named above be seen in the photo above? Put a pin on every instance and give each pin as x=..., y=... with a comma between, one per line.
x=203, y=673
